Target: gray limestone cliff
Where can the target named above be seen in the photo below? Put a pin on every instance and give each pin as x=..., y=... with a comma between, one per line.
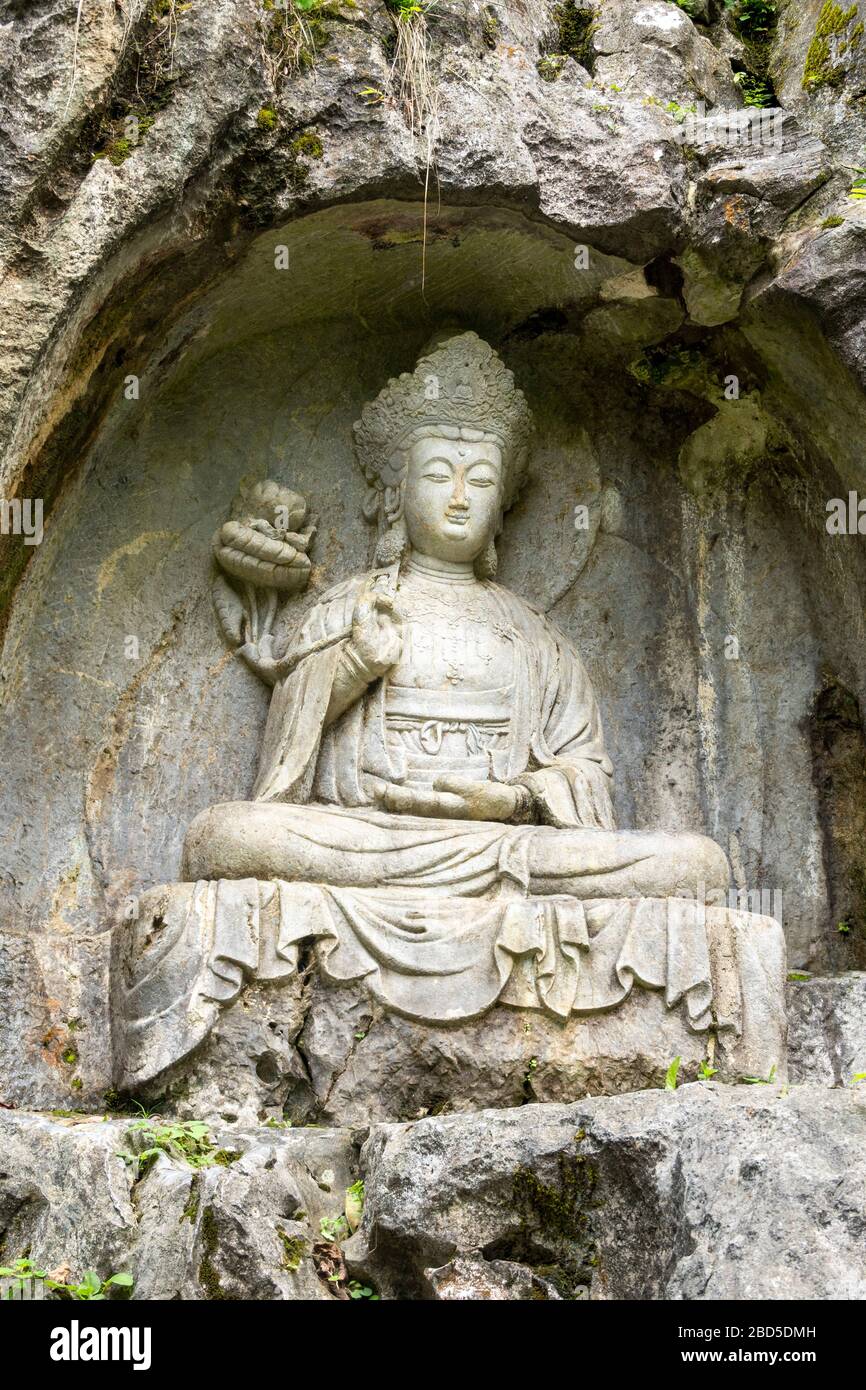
x=223, y=224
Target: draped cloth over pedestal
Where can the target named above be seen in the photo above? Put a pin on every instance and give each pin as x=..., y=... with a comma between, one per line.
x=436, y=960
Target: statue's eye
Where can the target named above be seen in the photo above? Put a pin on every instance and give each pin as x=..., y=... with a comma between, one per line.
x=481, y=482
x=439, y=477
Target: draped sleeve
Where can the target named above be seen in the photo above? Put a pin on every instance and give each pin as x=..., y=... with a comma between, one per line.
x=296, y=719
x=569, y=774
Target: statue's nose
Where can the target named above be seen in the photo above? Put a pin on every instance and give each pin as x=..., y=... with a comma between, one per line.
x=458, y=496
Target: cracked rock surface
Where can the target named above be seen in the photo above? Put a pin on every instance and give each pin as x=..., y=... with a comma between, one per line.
x=711, y=1192
x=708, y=1192
x=243, y=1229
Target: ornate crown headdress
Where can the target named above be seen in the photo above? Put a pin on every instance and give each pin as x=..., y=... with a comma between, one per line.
x=461, y=385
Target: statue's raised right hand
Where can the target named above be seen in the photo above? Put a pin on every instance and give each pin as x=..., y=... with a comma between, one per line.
x=377, y=632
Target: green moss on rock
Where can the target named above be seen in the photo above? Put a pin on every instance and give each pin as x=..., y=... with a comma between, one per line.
x=489, y=27
x=550, y=66
x=294, y=1250
x=673, y=368
x=576, y=25
x=207, y=1272
x=190, y=1211
x=308, y=146
x=572, y=38
x=555, y=1217
x=832, y=47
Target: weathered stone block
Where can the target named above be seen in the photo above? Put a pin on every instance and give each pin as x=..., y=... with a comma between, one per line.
x=245, y=1230
x=365, y=1063
x=827, y=1028
x=55, y=1038
x=711, y=1192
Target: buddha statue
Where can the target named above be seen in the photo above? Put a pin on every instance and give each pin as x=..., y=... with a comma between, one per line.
x=432, y=822
x=428, y=729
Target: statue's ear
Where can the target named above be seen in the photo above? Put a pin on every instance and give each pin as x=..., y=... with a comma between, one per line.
x=392, y=502
x=371, y=504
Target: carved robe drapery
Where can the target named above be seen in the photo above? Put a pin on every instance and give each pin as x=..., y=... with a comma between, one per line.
x=554, y=742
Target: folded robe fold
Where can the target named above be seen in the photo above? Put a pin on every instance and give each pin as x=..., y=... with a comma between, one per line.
x=437, y=960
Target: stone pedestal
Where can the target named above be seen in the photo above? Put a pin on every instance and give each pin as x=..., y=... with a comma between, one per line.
x=248, y=1001
x=319, y=1053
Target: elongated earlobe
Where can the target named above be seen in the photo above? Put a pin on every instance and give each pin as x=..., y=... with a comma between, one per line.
x=394, y=540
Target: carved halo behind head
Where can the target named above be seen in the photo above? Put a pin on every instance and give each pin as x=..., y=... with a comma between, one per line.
x=460, y=388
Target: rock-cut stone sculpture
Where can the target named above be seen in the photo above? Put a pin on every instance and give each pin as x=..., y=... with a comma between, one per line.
x=432, y=810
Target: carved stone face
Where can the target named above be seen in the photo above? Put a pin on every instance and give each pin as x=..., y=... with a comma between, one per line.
x=453, y=497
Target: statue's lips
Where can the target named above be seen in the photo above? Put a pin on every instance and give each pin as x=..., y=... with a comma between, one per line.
x=459, y=520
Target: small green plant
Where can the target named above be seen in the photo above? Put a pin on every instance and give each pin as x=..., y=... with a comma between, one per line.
x=354, y=1204
x=760, y=1080
x=829, y=222
x=706, y=1072
x=334, y=1228
x=754, y=22
x=407, y=9
x=672, y=1073
x=267, y=118
x=90, y=1288
x=21, y=1272
x=858, y=187
x=755, y=19
x=188, y=1141
x=357, y=1290
x=795, y=976
x=843, y=928
x=678, y=112
x=292, y=34
x=756, y=90
x=857, y=1078
x=372, y=96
